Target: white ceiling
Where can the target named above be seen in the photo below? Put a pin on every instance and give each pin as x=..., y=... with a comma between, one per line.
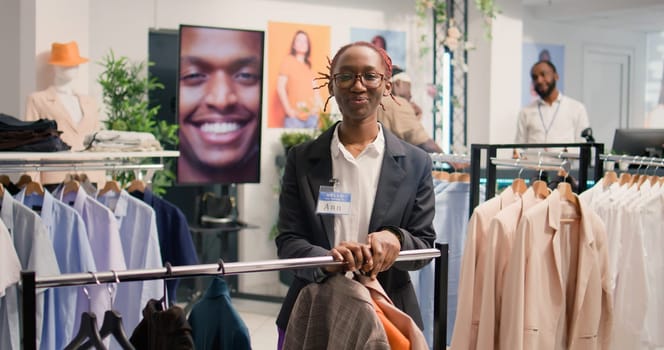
x=632, y=15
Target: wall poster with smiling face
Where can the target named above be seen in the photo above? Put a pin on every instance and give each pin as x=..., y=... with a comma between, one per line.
x=297, y=53
x=219, y=98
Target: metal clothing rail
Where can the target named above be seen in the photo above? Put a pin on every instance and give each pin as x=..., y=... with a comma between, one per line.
x=559, y=155
x=450, y=158
x=636, y=160
x=31, y=282
x=532, y=164
x=490, y=168
x=15, y=168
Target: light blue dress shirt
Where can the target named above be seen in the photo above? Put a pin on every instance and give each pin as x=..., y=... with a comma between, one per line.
x=423, y=281
x=69, y=237
x=140, y=243
x=450, y=223
x=104, y=236
x=35, y=251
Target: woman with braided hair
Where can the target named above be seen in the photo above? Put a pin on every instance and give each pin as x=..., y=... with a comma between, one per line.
x=357, y=192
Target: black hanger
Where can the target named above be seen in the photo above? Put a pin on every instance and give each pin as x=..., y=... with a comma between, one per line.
x=112, y=324
x=88, y=330
x=88, y=327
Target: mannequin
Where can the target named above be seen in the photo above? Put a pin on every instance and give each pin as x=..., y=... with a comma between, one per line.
x=64, y=77
x=75, y=114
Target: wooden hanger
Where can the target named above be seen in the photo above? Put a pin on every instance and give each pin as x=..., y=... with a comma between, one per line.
x=566, y=194
x=610, y=177
x=463, y=177
x=5, y=180
x=624, y=178
x=71, y=186
x=34, y=188
x=441, y=175
x=109, y=186
x=454, y=177
x=2, y=190
x=136, y=185
x=519, y=186
x=23, y=180
x=541, y=189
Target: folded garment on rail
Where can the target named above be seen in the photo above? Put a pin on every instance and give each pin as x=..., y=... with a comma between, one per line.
x=38, y=136
x=9, y=123
x=121, y=141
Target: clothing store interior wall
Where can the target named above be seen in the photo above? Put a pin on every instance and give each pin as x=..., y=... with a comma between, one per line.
x=595, y=35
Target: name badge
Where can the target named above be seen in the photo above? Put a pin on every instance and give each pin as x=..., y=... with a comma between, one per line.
x=331, y=202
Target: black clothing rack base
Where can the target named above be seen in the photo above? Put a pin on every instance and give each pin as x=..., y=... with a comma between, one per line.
x=30, y=282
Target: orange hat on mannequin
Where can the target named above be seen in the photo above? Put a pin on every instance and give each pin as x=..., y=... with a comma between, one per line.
x=66, y=55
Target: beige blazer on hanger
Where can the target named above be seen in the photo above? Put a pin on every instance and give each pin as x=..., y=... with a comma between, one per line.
x=533, y=291
x=500, y=239
x=46, y=105
x=472, y=270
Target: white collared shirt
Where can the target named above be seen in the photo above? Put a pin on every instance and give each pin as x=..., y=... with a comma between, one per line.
x=359, y=177
x=561, y=122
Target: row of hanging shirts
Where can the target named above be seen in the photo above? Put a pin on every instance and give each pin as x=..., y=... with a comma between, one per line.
x=534, y=271
x=451, y=195
x=632, y=208
x=72, y=231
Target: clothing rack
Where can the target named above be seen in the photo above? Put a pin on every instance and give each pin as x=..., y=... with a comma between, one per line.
x=30, y=282
x=531, y=164
x=450, y=158
x=559, y=155
x=77, y=168
x=476, y=152
x=636, y=160
x=19, y=162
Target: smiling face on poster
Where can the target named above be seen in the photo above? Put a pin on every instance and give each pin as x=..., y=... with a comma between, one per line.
x=219, y=105
x=394, y=42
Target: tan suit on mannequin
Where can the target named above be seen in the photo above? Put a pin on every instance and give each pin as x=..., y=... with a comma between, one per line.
x=76, y=115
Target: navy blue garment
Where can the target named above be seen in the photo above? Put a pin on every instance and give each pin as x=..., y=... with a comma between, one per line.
x=175, y=241
x=215, y=323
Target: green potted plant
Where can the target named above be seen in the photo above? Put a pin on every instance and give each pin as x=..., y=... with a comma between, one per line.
x=125, y=88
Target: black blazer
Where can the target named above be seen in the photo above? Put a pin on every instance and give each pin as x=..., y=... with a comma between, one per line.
x=404, y=199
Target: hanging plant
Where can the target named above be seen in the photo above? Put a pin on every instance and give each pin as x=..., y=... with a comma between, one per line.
x=125, y=88
x=448, y=34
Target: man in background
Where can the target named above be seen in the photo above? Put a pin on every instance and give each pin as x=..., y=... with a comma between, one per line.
x=398, y=115
x=552, y=118
x=401, y=83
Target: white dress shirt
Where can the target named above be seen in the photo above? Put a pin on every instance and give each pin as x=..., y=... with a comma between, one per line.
x=35, y=251
x=140, y=243
x=10, y=266
x=561, y=122
x=359, y=177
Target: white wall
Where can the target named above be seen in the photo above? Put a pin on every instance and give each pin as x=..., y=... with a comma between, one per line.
x=10, y=76
x=494, y=75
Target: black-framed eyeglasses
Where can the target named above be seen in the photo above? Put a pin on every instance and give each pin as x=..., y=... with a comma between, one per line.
x=370, y=80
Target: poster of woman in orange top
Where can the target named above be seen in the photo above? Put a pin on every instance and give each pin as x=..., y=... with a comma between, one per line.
x=297, y=53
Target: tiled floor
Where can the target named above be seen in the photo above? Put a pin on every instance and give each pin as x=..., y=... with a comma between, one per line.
x=259, y=317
